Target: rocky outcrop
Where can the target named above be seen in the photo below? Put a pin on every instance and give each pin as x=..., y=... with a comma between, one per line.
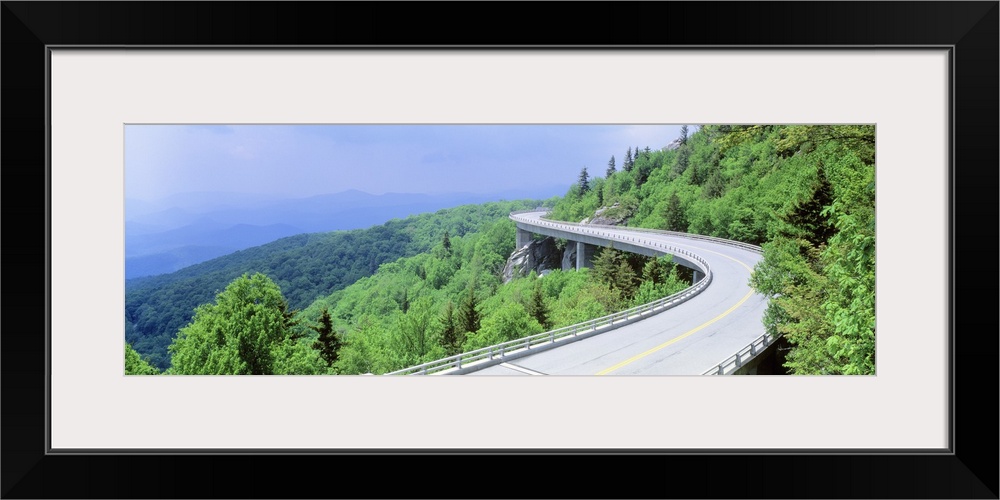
x=541, y=256
x=615, y=215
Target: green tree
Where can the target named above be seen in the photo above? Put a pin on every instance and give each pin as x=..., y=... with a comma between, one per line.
x=297, y=357
x=451, y=338
x=446, y=243
x=808, y=219
x=615, y=269
x=468, y=313
x=715, y=186
x=683, y=158
x=684, y=134
x=657, y=270
x=328, y=344
x=360, y=349
x=660, y=279
x=536, y=305
x=414, y=328
x=818, y=266
x=850, y=260
x=135, y=364
x=510, y=321
x=611, y=168
x=642, y=168
x=628, y=161
x=584, y=181
x=403, y=298
x=238, y=334
x=674, y=214
x=791, y=276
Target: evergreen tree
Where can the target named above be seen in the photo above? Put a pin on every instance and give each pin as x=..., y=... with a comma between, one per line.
x=808, y=220
x=584, y=181
x=683, y=156
x=290, y=317
x=626, y=279
x=468, y=315
x=536, y=306
x=628, y=162
x=404, y=301
x=715, y=186
x=674, y=215
x=446, y=242
x=640, y=172
x=656, y=271
x=684, y=134
x=615, y=269
x=611, y=168
x=451, y=338
x=328, y=343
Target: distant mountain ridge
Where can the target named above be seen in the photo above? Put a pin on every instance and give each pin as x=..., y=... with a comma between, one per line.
x=184, y=229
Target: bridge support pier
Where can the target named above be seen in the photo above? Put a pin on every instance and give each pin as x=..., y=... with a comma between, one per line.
x=697, y=276
x=523, y=237
x=584, y=255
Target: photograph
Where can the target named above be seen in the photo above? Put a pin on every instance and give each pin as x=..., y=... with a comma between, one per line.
x=348, y=194
x=499, y=249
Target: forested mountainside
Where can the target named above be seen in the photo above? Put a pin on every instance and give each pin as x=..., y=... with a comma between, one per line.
x=376, y=300
x=305, y=267
x=806, y=194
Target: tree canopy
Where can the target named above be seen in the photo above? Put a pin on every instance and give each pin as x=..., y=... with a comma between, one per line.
x=805, y=193
x=135, y=364
x=238, y=334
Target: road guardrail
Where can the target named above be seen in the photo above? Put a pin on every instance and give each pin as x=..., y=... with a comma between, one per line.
x=496, y=354
x=742, y=357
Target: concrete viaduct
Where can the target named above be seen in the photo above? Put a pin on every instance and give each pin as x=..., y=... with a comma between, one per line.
x=713, y=327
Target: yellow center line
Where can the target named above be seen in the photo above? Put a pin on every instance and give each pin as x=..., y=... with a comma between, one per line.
x=740, y=262
x=689, y=332
x=677, y=338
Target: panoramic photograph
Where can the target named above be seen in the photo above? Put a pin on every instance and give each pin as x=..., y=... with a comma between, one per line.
x=499, y=250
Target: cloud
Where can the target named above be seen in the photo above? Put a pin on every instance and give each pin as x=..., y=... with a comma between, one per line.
x=306, y=160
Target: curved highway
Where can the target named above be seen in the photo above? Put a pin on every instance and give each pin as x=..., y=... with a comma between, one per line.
x=685, y=340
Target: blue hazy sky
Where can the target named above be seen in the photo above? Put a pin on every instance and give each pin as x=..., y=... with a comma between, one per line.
x=305, y=160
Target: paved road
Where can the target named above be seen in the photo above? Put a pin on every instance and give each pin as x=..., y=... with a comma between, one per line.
x=685, y=340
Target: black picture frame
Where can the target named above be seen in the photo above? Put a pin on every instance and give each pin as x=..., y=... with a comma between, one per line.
x=969, y=470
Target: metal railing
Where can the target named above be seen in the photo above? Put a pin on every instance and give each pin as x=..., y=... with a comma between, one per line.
x=713, y=239
x=530, y=211
x=606, y=232
x=494, y=354
x=744, y=355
